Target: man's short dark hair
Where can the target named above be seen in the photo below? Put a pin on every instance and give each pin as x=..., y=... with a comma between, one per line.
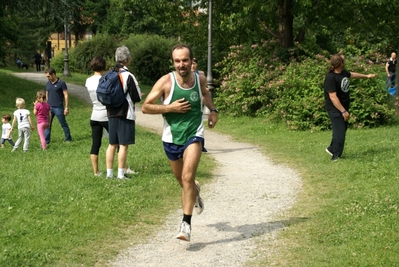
x=181, y=46
x=50, y=71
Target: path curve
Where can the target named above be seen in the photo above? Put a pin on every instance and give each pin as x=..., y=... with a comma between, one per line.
x=242, y=205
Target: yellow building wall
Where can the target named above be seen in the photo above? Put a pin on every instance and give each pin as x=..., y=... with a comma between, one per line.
x=58, y=43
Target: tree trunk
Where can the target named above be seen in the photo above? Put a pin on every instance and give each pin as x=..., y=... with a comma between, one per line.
x=286, y=23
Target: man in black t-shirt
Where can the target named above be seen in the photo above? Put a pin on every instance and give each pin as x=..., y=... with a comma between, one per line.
x=390, y=69
x=337, y=102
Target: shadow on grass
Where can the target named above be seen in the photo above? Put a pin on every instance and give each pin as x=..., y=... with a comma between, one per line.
x=229, y=150
x=246, y=231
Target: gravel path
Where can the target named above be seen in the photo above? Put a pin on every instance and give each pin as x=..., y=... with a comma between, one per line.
x=243, y=204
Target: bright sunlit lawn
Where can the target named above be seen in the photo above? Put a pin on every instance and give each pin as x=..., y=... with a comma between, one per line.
x=347, y=211
x=53, y=212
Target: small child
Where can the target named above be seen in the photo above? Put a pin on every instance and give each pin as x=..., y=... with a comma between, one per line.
x=24, y=124
x=6, y=132
x=42, y=111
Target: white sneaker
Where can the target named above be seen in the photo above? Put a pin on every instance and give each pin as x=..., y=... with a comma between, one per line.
x=110, y=177
x=98, y=174
x=124, y=177
x=185, y=232
x=130, y=171
x=199, y=204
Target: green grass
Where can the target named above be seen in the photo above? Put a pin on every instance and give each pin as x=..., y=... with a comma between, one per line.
x=54, y=212
x=347, y=211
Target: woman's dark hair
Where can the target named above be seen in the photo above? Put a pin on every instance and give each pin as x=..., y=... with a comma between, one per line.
x=98, y=64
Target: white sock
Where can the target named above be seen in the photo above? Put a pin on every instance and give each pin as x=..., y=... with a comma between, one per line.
x=110, y=173
x=121, y=172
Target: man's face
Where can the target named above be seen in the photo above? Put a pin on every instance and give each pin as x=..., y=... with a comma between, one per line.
x=51, y=77
x=182, y=61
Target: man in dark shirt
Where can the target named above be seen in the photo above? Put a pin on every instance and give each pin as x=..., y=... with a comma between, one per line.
x=38, y=60
x=57, y=93
x=390, y=69
x=337, y=101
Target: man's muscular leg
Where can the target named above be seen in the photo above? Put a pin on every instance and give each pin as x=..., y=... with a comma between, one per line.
x=184, y=170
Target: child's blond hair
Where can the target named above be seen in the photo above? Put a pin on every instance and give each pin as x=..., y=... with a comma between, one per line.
x=20, y=103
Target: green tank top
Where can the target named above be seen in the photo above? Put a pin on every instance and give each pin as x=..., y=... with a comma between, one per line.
x=180, y=127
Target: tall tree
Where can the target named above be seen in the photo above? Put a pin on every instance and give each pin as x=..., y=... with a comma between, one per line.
x=25, y=25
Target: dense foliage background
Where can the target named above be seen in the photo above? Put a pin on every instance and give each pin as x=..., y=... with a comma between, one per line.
x=266, y=63
x=256, y=82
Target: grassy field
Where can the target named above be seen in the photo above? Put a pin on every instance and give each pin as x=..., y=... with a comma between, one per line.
x=347, y=211
x=55, y=213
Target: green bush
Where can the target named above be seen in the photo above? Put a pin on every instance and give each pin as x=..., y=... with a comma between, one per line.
x=247, y=73
x=150, y=56
x=100, y=45
x=300, y=97
x=256, y=83
x=79, y=57
x=57, y=63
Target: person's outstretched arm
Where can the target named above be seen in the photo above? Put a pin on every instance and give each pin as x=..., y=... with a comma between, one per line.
x=356, y=75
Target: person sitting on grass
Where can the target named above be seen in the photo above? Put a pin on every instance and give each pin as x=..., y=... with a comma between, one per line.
x=20, y=64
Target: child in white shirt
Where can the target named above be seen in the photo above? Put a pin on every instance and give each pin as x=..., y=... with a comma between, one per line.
x=25, y=124
x=6, y=130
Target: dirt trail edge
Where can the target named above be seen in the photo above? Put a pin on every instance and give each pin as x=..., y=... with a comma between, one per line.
x=243, y=204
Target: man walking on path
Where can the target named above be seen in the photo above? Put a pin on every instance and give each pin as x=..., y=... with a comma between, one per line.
x=56, y=94
x=182, y=92
x=38, y=61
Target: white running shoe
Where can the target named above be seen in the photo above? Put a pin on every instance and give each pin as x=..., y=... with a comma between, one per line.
x=130, y=171
x=199, y=204
x=185, y=232
x=329, y=152
x=125, y=177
